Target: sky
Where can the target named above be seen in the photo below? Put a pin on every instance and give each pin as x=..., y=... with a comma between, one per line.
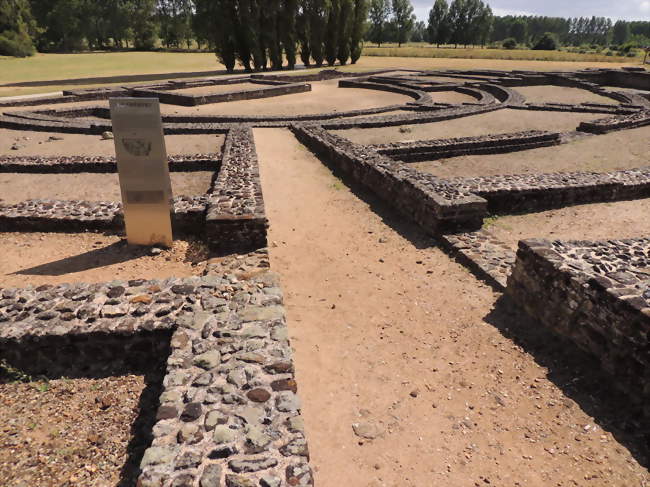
x=615, y=9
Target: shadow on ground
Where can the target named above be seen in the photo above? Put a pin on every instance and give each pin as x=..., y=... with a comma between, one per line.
x=113, y=254
x=578, y=375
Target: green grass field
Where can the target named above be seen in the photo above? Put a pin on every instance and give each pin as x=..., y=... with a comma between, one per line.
x=45, y=73
x=117, y=65
x=427, y=51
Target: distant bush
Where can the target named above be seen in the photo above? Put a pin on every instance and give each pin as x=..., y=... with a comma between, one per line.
x=509, y=43
x=547, y=42
x=627, y=47
x=17, y=44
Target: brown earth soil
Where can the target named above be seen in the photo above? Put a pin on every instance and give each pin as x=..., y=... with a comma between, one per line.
x=67, y=432
x=497, y=122
x=32, y=259
x=557, y=94
x=626, y=149
x=447, y=79
x=601, y=221
x=451, y=97
x=391, y=112
x=213, y=89
x=391, y=334
x=324, y=97
x=15, y=188
x=40, y=144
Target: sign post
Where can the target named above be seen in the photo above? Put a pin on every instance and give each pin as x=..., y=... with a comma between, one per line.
x=143, y=170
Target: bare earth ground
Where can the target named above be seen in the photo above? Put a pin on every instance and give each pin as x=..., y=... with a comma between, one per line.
x=626, y=149
x=447, y=79
x=32, y=259
x=207, y=90
x=67, y=432
x=601, y=221
x=15, y=188
x=40, y=144
x=392, y=334
x=497, y=122
x=451, y=97
x=325, y=97
x=391, y=112
x=564, y=94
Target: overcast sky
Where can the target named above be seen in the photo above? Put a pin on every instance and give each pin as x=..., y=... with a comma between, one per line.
x=615, y=9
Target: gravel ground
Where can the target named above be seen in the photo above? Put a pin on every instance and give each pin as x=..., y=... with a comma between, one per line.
x=69, y=432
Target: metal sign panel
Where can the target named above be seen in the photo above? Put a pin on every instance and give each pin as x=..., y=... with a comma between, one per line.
x=143, y=170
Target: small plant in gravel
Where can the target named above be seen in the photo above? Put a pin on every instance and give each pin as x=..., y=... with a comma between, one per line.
x=9, y=373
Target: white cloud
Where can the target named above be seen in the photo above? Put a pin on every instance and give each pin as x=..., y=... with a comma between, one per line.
x=619, y=9
x=508, y=11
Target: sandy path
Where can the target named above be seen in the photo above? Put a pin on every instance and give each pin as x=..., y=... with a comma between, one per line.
x=88, y=186
x=389, y=331
x=40, y=144
x=625, y=149
x=497, y=122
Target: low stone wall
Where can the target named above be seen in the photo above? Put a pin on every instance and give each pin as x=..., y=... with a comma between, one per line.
x=235, y=218
x=423, y=150
x=582, y=108
x=100, y=164
x=532, y=192
x=80, y=216
x=228, y=413
x=597, y=294
x=421, y=197
x=323, y=75
x=431, y=114
x=188, y=100
x=482, y=253
x=624, y=78
x=418, y=95
x=602, y=126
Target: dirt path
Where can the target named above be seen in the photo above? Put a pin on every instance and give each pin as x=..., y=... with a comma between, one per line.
x=391, y=334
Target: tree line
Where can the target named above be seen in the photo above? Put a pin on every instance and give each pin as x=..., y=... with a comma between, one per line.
x=267, y=33
x=263, y=33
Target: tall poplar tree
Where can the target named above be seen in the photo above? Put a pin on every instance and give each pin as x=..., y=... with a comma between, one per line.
x=344, y=27
x=302, y=31
x=318, y=24
x=358, y=28
x=332, y=32
x=287, y=23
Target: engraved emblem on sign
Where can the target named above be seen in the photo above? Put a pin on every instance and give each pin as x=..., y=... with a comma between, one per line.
x=137, y=147
x=145, y=197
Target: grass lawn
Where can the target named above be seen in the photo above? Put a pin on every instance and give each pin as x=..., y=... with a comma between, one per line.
x=424, y=50
x=43, y=67
x=94, y=69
